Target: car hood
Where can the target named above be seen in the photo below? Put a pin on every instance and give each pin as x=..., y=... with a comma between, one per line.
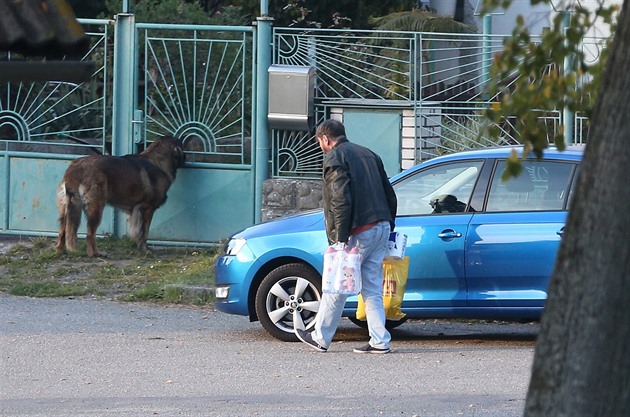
x=303, y=222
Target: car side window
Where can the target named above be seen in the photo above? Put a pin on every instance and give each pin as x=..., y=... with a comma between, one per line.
x=441, y=189
x=541, y=186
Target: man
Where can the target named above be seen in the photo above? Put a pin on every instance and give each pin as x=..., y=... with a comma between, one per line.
x=359, y=211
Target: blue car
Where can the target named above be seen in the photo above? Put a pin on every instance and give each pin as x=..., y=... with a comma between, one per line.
x=479, y=247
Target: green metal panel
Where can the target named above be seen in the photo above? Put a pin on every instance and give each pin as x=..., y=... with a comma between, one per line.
x=379, y=131
x=4, y=187
x=205, y=206
x=32, y=196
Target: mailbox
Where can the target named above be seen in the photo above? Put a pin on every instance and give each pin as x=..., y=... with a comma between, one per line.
x=291, y=93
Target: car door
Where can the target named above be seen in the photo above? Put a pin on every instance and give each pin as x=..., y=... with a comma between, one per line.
x=434, y=213
x=512, y=244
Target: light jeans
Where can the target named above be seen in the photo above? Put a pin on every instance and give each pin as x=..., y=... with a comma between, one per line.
x=372, y=245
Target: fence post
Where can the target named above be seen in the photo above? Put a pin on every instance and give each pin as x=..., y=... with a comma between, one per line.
x=567, y=115
x=261, y=132
x=487, y=54
x=124, y=96
x=124, y=88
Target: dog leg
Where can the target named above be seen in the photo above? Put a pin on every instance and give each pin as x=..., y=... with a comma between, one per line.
x=69, y=218
x=147, y=216
x=139, y=224
x=73, y=219
x=60, y=247
x=62, y=204
x=134, y=221
x=94, y=213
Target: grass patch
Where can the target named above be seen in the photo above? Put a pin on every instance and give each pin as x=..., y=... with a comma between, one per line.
x=181, y=275
x=47, y=288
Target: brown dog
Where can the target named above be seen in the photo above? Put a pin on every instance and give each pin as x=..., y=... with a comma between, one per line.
x=135, y=183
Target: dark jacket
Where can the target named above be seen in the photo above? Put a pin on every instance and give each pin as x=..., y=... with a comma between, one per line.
x=356, y=190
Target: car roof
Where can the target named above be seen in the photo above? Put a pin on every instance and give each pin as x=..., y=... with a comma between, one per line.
x=570, y=153
x=504, y=151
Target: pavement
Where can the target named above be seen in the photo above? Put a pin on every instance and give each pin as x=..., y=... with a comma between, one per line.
x=87, y=358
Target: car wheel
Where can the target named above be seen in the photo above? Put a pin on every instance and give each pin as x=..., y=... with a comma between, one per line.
x=389, y=324
x=288, y=297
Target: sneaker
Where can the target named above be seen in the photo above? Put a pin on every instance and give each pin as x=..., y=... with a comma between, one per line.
x=306, y=337
x=369, y=349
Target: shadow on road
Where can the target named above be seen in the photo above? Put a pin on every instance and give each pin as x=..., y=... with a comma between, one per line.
x=473, y=332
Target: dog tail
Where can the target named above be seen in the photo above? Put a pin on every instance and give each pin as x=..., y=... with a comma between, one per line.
x=69, y=204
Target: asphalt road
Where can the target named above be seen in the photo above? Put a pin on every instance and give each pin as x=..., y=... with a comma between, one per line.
x=70, y=357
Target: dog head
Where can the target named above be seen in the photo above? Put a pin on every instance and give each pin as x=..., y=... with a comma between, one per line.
x=167, y=152
x=179, y=157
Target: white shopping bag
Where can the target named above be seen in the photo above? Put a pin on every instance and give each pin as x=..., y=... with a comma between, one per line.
x=342, y=271
x=396, y=246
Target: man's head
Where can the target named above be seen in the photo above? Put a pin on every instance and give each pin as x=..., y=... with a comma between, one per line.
x=328, y=132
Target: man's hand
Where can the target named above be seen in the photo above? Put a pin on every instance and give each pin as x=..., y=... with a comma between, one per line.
x=340, y=245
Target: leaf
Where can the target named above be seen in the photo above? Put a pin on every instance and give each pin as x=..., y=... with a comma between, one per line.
x=533, y=85
x=513, y=166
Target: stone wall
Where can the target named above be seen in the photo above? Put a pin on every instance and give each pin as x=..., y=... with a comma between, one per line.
x=287, y=196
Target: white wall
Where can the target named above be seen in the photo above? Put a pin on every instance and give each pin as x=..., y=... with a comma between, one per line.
x=536, y=17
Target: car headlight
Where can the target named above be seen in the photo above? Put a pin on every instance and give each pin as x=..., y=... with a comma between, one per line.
x=222, y=292
x=234, y=246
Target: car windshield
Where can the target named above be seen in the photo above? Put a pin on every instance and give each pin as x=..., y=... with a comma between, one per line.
x=451, y=184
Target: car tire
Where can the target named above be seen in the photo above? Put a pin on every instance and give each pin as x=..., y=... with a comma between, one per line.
x=287, y=297
x=389, y=324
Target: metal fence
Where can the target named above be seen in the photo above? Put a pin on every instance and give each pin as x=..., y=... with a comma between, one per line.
x=61, y=117
x=197, y=85
x=200, y=83
x=441, y=78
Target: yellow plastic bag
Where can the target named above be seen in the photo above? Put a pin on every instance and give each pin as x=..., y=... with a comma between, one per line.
x=395, y=273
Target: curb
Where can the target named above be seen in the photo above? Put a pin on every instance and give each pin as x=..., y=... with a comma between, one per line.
x=191, y=293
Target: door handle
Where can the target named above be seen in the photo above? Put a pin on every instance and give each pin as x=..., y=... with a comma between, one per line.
x=449, y=234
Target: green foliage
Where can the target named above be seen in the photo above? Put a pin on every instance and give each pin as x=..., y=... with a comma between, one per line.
x=230, y=16
x=546, y=75
x=419, y=21
x=162, y=11
x=353, y=14
x=300, y=13
x=87, y=9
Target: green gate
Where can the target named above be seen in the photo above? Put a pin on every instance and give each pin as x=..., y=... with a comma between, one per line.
x=193, y=82
x=197, y=84
x=43, y=125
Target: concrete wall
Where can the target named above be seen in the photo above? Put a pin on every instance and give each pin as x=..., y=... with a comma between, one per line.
x=288, y=196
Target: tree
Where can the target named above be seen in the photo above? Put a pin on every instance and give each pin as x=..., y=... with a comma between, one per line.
x=325, y=13
x=582, y=357
x=87, y=9
x=162, y=11
x=419, y=20
x=302, y=13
